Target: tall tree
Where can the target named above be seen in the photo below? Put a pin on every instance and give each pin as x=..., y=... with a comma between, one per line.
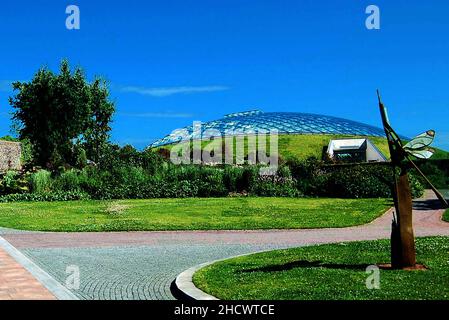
x=96, y=136
x=58, y=111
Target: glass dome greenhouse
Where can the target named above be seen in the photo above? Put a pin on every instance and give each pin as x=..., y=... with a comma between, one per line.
x=283, y=122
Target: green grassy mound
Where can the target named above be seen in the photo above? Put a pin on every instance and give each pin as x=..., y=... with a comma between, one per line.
x=304, y=146
x=294, y=145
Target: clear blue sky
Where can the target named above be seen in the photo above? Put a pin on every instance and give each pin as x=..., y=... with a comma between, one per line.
x=172, y=62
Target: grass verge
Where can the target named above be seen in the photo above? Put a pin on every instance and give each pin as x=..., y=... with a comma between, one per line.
x=329, y=272
x=191, y=214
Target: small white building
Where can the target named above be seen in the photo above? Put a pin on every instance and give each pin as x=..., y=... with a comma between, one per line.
x=354, y=150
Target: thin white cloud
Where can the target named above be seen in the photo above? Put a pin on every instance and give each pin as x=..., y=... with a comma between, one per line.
x=157, y=115
x=169, y=91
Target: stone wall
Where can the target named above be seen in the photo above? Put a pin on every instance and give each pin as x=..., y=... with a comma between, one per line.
x=10, y=156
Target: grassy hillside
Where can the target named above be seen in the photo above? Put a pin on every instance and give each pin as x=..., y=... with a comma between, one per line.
x=304, y=146
x=299, y=146
x=440, y=154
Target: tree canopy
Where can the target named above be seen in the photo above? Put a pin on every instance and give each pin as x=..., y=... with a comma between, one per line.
x=64, y=116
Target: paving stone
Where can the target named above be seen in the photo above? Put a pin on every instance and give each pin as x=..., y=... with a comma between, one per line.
x=16, y=283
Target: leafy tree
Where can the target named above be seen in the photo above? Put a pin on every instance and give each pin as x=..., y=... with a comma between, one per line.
x=97, y=133
x=56, y=112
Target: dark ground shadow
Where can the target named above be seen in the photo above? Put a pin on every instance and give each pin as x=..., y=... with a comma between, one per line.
x=307, y=264
x=433, y=204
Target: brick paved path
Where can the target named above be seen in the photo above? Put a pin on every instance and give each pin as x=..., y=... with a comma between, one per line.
x=141, y=265
x=16, y=283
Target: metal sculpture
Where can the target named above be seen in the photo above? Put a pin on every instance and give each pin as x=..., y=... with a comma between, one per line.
x=403, y=253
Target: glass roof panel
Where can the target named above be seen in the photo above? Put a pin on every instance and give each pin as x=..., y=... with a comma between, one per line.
x=283, y=122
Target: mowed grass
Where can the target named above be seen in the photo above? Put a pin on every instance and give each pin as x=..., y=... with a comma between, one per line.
x=191, y=214
x=329, y=272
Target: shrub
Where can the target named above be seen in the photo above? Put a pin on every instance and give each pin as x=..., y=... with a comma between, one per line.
x=13, y=182
x=416, y=186
x=80, y=157
x=120, y=183
x=9, y=181
x=68, y=181
x=437, y=171
x=92, y=181
x=363, y=182
x=249, y=177
x=204, y=181
x=357, y=181
x=212, y=185
x=49, y=197
x=41, y=181
x=271, y=186
x=27, y=151
x=140, y=175
x=309, y=174
x=282, y=184
x=231, y=178
x=180, y=189
x=127, y=156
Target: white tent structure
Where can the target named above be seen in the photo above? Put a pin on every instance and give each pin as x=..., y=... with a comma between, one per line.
x=354, y=150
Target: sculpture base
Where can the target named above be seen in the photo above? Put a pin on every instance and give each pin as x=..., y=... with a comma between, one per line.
x=416, y=267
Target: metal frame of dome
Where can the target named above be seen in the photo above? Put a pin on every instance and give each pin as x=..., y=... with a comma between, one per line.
x=257, y=121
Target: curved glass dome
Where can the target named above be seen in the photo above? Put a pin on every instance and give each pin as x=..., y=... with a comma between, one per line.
x=284, y=122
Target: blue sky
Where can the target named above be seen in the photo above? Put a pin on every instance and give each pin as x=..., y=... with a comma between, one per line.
x=172, y=62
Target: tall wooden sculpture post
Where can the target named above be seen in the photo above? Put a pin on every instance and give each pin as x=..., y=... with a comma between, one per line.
x=403, y=254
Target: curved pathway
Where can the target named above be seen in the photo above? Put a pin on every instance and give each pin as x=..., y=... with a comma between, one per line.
x=142, y=265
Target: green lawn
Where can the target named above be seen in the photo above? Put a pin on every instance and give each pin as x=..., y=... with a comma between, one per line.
x=191, y=214
x=329, y=272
